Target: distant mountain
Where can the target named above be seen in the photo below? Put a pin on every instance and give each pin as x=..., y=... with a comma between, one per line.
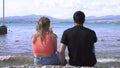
x=31, y=18
x=105, y=17
x=35, y=18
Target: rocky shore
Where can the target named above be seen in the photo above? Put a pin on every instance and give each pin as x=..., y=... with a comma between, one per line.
x=27, y=62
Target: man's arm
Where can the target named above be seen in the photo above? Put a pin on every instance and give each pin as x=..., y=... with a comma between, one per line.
x=95, y=37
x=62, y=54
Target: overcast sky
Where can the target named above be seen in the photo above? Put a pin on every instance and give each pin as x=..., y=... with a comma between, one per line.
x=60, y=8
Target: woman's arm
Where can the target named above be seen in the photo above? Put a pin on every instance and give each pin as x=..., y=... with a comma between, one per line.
x=54, y=38
x=55, y=41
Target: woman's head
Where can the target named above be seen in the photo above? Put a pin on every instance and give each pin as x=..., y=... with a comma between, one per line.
x=43, y=24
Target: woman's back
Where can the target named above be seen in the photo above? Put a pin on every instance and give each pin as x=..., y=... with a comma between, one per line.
x=44, y=44
x=45, y=47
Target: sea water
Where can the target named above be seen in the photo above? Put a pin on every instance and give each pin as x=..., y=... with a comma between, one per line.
x=16, y=44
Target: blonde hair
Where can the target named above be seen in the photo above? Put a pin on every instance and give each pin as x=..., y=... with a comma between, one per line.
x=43, y=26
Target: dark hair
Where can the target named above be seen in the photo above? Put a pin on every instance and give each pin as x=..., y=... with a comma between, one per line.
x=79, y=17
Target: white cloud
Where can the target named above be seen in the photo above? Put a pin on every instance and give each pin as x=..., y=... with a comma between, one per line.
x=60, y=8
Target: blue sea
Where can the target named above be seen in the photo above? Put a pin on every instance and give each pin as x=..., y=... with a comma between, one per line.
x=16, y=44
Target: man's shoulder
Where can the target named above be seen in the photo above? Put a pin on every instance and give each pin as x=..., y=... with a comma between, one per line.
x=69, y=29
x=89, y=29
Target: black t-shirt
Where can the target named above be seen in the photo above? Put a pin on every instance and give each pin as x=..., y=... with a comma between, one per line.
x=80, y=42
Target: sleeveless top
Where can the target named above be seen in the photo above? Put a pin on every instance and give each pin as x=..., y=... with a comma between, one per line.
x=45, y=47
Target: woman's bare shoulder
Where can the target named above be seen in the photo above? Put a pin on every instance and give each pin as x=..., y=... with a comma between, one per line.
x=34, y=36
x=54, y=35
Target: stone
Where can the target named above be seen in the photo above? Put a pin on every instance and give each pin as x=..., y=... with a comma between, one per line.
x=3, y=30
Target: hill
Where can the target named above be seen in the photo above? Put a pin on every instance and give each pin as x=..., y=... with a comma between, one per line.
x=30, y=18
x=35, y=18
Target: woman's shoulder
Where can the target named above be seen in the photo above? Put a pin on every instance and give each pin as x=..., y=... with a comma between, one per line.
x=54, y=35
x=34, y=36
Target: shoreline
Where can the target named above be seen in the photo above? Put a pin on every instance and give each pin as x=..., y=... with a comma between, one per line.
x=27, y=62
x=98, y=65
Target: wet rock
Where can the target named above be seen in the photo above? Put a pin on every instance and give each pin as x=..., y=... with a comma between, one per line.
x=118, y=39
x=3, y=30
x=16, y=40
x=102, y=40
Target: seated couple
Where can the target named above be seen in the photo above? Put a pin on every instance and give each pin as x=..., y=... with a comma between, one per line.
x=79, y=40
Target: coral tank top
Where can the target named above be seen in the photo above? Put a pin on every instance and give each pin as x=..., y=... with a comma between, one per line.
x=44, y=48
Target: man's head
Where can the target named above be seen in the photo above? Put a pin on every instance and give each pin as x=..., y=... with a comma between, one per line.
x=79, y=17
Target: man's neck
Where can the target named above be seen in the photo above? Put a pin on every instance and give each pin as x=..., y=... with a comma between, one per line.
x=75, y=24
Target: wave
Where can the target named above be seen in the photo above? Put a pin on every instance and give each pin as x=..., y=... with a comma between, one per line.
x=106, y=60
x=6, y=58
x=15, y=60
x=30, y=59
x=22, y=60
x=2, y=58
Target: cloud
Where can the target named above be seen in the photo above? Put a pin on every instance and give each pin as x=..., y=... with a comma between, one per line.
x=60, y=8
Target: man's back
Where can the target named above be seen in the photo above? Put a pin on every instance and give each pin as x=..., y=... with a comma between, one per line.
x=80, y=41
